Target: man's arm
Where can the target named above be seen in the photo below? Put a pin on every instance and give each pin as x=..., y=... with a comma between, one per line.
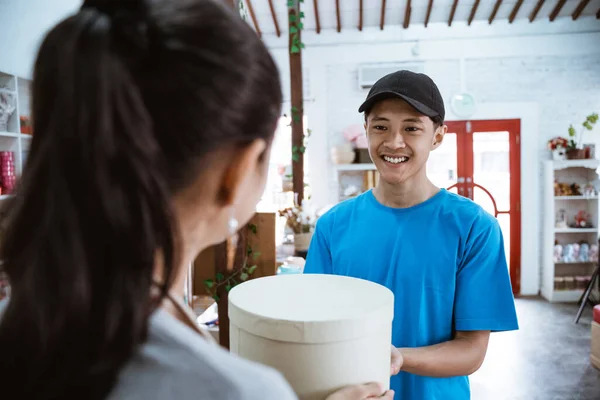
x=460, y=356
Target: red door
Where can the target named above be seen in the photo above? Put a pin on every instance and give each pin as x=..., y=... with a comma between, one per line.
x=485, y=161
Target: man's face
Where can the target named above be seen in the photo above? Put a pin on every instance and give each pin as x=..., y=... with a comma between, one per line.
x=400, y=139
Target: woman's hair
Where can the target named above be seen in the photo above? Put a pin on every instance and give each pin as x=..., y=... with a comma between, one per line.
x=128, y=97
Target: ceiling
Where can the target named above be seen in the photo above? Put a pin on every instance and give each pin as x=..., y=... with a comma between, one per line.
x=269, y=17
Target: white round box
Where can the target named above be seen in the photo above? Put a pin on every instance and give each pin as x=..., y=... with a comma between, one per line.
x=322, y=332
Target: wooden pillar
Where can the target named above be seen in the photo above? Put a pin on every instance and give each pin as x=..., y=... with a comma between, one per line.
x=297, y=111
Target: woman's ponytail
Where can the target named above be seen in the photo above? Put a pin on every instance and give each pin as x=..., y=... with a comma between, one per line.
x=95, y=168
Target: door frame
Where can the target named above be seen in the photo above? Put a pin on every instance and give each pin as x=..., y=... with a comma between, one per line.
x=465, y=187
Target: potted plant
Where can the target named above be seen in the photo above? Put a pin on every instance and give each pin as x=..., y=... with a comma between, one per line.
x=301, y=221
x=575, y=150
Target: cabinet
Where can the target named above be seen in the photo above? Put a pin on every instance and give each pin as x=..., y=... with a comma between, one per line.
x=566, y=269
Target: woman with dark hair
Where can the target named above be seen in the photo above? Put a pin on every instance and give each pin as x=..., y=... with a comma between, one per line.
x=153, y=124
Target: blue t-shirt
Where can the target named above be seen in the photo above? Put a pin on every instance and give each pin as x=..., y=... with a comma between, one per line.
x=444, y=261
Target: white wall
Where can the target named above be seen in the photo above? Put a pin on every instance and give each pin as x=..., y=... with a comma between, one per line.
x=22, y=26
x=546, y=75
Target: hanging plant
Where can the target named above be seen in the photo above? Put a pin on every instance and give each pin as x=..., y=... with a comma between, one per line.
x=296, y=25
x=237, y=276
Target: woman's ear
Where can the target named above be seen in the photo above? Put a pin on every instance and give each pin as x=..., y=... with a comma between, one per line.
x=241, y=172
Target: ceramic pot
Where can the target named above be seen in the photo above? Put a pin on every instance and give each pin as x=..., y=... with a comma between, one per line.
x=559, y=154
x=576, y=154
x=302, y=241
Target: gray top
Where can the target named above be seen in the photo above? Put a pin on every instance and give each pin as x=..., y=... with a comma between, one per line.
x=177, y=363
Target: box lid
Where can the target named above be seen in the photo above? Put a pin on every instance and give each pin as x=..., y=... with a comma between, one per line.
x=311, y=308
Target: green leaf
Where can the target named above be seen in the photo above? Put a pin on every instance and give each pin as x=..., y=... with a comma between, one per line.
x=293, y=29
x=295, y=157
x=294, y=149
x=296, y=118
x=256, y=254
x=302, y=149
x=290, y=3
x=295, y=49
x=248, y=250
x=209, y=283
x=253, y=228
x=228, y=287
x=219, y=277
x=243, y=276
x=571, y=131
x=300, y=26
x=294, y=109
x=293, y=18
x=216, y=297
x=301, y=45
x=301, y=14
x=252, y=269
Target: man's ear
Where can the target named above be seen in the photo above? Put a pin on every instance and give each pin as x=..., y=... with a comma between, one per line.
x=438, y=136
x=238, y=176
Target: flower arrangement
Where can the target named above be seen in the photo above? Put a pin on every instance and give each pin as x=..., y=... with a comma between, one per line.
x=299, y=219
x=558, y=143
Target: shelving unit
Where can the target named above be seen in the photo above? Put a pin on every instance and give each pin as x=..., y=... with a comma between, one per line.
x=12, y=139
x=363, y=175
x=580, y=172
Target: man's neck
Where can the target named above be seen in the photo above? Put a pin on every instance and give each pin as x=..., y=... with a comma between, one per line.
x=407, y=194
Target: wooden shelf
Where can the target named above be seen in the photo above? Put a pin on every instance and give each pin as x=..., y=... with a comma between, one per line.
x=356, y=167
x=575, y=197
x=576, y=263
x=590, y=163
x=576, y=230
x=10, y=134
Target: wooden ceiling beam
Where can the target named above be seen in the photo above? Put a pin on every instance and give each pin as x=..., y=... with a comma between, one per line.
x=317, y=18
x=580, y=7
x=536, y=10
x=360, y=15
x=495, y=11
x=338, y=18
x=557, y=9
x=452, y=12
x=253, y=16
x=473, y=12
x=407, y=12
x=275, y=21
x=429, y=7
x=515, y=11
x=382, y=19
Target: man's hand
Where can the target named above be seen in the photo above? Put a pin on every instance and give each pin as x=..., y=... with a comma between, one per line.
x=397, y=361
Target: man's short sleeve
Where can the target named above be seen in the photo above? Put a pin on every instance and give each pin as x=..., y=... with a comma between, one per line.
x=319, y=260
x=484, y=299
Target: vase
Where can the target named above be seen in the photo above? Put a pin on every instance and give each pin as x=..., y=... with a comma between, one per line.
x=559, y=154
x=576, y=154
x=302, y=241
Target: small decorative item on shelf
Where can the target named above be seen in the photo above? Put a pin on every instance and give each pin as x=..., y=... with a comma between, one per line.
x=582, y=220
x=593, y=257
x=343, y=154
x=584, y=253
x=568, y=254
x=6, y=110
x=287, y=184
x=356, y=136
x=558, y=252
x=564, y=189
x=576, y=150
x=559, y=283
x=570, y=283
x=7, y=169
x=25, y=125
x=561, y=219
x=589, y=190
x=558, y=146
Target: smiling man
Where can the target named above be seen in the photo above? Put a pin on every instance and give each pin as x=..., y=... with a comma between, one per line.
x=441, y=254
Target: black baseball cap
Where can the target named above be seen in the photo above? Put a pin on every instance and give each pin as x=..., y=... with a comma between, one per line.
x=416, y=89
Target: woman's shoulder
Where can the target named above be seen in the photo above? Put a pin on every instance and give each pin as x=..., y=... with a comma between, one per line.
x=175, y=362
